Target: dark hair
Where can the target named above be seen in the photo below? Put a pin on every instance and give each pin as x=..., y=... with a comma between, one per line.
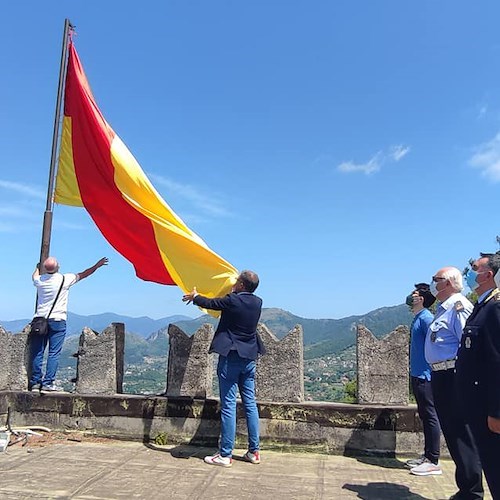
x=250, y=280
x=493, y=260
x=424, y=291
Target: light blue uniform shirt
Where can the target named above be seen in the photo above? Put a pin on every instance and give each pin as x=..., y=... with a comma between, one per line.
x=484, y=295
x=445, y=331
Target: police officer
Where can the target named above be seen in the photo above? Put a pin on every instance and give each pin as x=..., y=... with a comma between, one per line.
x=441, y=346
x=478, y=367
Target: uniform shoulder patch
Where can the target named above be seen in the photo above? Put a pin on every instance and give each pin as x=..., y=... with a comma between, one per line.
x=459, y=307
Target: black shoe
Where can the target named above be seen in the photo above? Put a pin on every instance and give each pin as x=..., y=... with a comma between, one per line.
x=34, y=387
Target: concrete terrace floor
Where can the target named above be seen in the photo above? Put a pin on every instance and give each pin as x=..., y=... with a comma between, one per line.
x=106, y=469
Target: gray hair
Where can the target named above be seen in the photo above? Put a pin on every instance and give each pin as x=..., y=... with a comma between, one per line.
x=454, y=276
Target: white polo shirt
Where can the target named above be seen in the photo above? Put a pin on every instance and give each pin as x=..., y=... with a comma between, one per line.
x=47, y=286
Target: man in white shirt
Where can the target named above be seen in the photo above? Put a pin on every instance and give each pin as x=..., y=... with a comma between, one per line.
x=48, y=285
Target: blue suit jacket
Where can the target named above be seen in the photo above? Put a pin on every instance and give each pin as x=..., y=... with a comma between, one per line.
x=237, y=328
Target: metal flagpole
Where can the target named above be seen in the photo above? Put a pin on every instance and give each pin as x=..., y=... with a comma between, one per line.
x=47, y=216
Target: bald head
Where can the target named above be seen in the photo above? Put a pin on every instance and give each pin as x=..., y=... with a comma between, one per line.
x=51, y=265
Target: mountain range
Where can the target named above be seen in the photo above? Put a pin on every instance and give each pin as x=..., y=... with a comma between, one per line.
x=321, y=336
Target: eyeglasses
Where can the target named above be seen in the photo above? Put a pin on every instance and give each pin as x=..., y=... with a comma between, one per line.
x=438, y=278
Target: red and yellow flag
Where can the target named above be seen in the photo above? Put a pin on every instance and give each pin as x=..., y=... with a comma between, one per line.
x=97, y=171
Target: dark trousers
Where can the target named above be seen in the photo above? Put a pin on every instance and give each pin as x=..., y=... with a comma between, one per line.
x=422, y=391
x=488, y=444
x=468, y=473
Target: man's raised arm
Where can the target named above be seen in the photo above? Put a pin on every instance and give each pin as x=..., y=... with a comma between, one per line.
x=36, y=272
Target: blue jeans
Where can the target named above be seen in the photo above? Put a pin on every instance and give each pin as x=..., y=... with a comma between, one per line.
x=235, y=373
x=55, y=339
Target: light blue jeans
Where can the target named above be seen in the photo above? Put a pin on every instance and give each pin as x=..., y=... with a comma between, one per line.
x=55, y=339
x=235, y=373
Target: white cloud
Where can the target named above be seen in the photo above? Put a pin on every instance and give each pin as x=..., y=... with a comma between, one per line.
x=371, y=166
x=487, y=159
x=399, y=152
x=23, y=189
x=209, y=205
x=374, y=164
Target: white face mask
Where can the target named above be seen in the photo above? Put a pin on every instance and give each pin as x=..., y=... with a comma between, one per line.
x=433, y=289
x=497, y=279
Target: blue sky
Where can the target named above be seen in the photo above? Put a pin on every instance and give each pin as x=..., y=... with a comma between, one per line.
x=343, y=150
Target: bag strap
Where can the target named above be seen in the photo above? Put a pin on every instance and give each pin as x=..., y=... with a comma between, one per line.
x=57, y=296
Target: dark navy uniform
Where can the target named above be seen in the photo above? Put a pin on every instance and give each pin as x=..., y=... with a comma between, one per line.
x=478, y=382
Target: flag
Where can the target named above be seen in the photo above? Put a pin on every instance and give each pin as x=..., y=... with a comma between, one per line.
x=97, y=171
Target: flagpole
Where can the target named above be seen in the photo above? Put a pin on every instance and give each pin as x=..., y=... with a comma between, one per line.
x=47, y=216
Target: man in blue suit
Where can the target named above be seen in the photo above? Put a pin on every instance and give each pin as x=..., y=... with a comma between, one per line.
x=238, y=345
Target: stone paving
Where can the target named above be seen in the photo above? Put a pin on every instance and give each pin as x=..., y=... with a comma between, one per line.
x=126, y=470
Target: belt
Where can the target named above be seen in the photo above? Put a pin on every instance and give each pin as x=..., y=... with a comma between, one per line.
x=443, y=365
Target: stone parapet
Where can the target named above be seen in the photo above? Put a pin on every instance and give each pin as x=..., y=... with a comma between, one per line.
x=14, y=359
x=99, y=368
x=190, y=366
x=280, y=372
x=332, y=428
x=383, y=367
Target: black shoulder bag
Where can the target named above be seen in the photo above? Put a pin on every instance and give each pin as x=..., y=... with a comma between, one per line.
x=40, y=324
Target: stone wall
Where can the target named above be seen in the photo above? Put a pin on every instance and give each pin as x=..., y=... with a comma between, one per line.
x=332, y=428
x=280, y=372
x=99, y=366
x=14, y=360
x=383, y=367
x=97, y=407
x=383, y=364
x=190, y=366
x=100, y=360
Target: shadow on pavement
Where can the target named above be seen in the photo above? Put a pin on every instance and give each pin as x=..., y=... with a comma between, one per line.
x=181, y=451
x=385, y=462
x=383, y=491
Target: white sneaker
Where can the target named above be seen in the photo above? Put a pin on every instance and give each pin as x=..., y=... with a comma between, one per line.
x=414, y=462
x=426, y=468
x=252, y=457
x=218, y=460
x=51, y=388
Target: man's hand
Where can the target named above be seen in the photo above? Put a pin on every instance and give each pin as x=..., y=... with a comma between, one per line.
x=103, y=262
x=189, y=297
x=36, y=272
x=494, y=424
